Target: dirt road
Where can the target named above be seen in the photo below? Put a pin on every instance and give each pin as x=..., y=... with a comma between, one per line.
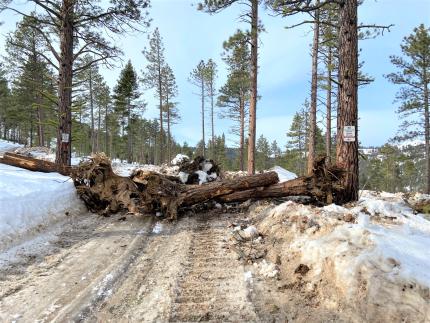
x=133, y=270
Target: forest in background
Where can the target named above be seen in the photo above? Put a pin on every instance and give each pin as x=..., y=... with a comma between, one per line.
x=113, y=120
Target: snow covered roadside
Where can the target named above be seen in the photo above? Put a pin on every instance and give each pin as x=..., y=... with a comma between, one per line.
x=371, y=260
x=31, y=201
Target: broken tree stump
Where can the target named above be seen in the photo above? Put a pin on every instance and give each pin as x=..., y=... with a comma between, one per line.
x=33, y=164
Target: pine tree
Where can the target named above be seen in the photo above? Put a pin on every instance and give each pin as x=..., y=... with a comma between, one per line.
x=170, y=91
x=153, y=78
x=211, y=74
x=214, y=6
x=198, y=77
x=263, y=153
x=234, y=95
x=126, y=93
x=414, y=77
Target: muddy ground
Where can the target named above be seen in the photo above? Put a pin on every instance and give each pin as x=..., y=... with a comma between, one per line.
x=134, y=269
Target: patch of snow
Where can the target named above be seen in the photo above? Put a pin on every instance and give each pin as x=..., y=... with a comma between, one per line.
x=32, y=200
x=247, y=275
x=8, y=146
x=250, y=232
x=158, y=228
x=283, y=174
x=206, y=167
x=179, y=159
x=267, y=269
x=203, y=177
x=183, y=177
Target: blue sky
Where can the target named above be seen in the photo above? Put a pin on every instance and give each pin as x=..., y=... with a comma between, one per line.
x=284, y=63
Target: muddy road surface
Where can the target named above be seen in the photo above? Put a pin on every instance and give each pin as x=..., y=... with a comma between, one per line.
x=131, y=270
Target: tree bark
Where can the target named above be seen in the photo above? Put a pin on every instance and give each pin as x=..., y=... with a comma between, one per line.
x=427, y=129
x=211, y=90
x=314, y=89
x=33, y=164
x=92, y=110
x=254, y=95
x=242, y=131
x=203, y=116
x=65, y=77
x=347, y=152
x=328, y=109
x=169, y=145
x=160, y=89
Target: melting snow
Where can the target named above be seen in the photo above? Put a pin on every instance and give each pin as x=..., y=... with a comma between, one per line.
x=283, y=174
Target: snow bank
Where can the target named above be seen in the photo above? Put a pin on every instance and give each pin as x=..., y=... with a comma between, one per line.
x=283, y=174
x=375, y=256
x=8, y=146
x=30, y=201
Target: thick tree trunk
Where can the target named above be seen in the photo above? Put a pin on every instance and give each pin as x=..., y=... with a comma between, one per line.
x=253, y=101
x=328, y=109
x=347, y=151
x=242, y=132
x=65, y=77
x=314, y=88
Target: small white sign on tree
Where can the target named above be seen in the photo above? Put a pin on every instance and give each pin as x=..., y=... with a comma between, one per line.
x=65, y=137
x=349, y=133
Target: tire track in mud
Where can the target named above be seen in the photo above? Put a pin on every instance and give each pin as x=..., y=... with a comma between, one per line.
x=211, y=286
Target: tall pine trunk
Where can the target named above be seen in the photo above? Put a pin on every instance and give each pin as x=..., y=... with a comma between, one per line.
x=328, y=108
x=129, y=133
x=242, y=131
x=65, y=76
x=253, y=100
x=169, y=145
x=347, y=152
x=203, y=116
x=160, y=88
x=107, y=150
x=212, y=116
x=92, y=110
x=99, y=124
x=427, y=129
x=314, y=89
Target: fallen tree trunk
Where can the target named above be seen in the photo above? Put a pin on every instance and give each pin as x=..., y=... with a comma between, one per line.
x=33, y=164
x=148, y=192
x=322, y=185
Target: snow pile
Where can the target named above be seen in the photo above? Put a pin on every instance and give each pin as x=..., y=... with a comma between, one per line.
x=179, y=159
x=8, y=146
x=198, y=171
x=373, y=258
x=30, y=201
x=267, y=269
x=283, y=174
